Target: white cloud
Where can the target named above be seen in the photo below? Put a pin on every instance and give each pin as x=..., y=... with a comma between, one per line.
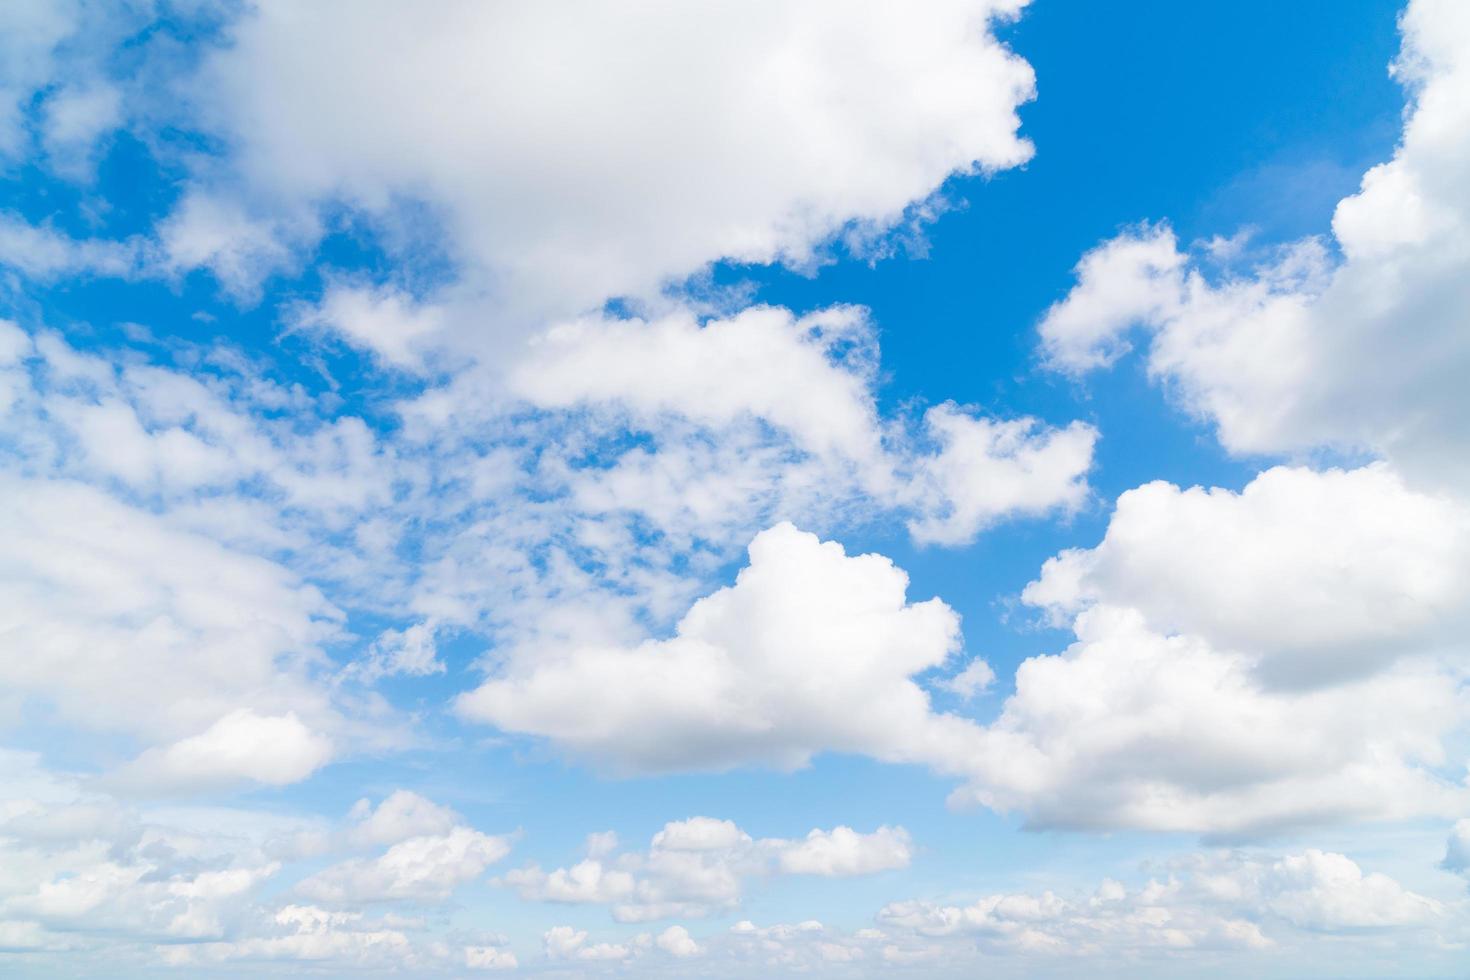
x=128, y=623
x=1130, y=728
x=44, y=253
x=1128, y=280
x=807, y=118
x=30, y=35
x=1457, y=849
x=76, y=117
x=698, y=866
x=80, y=867
x=311, y=934
x=1281, y=656
x=189, y=886
x=676, y=941
x=423, y=868
x=238, y=246
x=975, y=679
x=1240, y=912
x=986, y=470
x=1225, y=901
x=489, y=958
x=1308, y=349
x=566, y=943
x=400, y=815
x=242, y=745
x=811, y=650
x=387, y=322
x=764, y=410
x=411, y=652
x=843, y=851
x=1319, y=575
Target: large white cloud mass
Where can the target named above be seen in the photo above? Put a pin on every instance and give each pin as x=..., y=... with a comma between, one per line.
x=1286, y=655
x=579, y=152
x=810, y=650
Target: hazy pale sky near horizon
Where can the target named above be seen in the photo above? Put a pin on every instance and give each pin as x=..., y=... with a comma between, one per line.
x=735, y=490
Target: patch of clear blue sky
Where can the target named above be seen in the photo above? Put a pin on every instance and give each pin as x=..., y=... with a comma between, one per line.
x=1215, y=114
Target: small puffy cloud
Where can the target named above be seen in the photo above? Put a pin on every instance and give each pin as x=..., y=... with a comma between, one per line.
x=811, y=382
x=400, y=815
x=566, y=943
x=75, y=117
x=385, y=322
x=986, y=470
x=1244, y=661
x=424, y=868
x=489, y=958
x=676, y=941
x=698, y=866
x=1132, y=279
x=843, y=851
x=242, y=745
x=811, y=650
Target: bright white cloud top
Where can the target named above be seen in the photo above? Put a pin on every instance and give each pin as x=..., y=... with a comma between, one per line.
x=630, y=489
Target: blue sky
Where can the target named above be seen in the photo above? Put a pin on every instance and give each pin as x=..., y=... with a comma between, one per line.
x=734, y=491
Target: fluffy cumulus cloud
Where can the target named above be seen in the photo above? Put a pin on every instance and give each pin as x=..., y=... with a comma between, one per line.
x=1288, y=654
x=699, y=866
x=432, y=852
x=811, y=120
x=1308, y=347
x=811, y=650
x=1133, y=728
x=1457, y=849
x=242, y=745
x=1320, y=575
